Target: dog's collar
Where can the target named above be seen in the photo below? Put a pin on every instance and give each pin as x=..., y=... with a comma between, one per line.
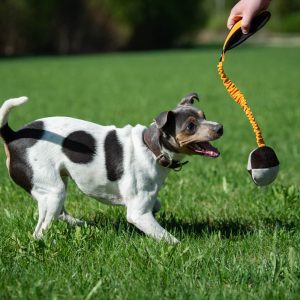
x=153, y=140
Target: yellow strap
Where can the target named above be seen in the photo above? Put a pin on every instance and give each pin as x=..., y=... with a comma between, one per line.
x=233, y=29
x=239, y=98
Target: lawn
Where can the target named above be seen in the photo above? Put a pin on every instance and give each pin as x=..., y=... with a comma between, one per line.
x=238, y=241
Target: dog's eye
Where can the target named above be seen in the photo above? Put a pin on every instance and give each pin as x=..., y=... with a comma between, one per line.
x=191, y=127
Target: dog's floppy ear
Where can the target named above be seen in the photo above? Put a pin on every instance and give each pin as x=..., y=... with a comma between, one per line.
x=189, y=99
x=164, y=119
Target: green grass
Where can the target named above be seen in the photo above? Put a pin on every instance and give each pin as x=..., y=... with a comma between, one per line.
x=238, y=241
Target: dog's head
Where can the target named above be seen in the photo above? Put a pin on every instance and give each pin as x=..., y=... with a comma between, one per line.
x=186, y=130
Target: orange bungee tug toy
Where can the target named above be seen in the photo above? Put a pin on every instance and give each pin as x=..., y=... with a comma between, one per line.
x=263, y=164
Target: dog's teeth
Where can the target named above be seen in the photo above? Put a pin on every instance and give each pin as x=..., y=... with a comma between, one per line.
x=198, y=147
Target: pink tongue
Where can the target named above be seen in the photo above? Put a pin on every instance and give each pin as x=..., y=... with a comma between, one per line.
x=209, y=150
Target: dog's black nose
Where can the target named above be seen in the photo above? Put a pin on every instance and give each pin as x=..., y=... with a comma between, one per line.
x=219, y=129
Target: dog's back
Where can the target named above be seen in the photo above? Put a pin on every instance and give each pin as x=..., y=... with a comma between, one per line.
x=102, y=160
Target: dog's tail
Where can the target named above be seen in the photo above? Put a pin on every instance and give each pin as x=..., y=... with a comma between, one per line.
x=5, y=131
x=7, y=106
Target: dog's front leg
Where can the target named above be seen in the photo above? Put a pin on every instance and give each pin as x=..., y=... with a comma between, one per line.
x=144, y=220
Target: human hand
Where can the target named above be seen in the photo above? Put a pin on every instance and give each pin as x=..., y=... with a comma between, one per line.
x=246, y=10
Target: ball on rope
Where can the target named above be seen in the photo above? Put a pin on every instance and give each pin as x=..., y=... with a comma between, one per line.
x=263, y=165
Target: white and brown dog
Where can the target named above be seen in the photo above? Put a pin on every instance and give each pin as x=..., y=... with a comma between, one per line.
x=121, y=166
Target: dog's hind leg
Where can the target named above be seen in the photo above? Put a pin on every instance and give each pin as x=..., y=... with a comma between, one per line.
x=64, y=216
x=42, y=209
x=50, y=205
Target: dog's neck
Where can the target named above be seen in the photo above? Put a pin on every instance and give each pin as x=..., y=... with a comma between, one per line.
x=158, y=144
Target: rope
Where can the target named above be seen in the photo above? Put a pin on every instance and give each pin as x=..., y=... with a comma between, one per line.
x=239, y=98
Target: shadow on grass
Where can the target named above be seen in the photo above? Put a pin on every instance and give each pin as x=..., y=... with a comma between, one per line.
x=225, y=228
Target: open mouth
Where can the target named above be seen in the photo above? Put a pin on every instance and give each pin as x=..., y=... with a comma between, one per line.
x=205, y=149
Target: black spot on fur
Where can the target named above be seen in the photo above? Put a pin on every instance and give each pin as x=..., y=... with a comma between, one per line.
x=113, y=156
x=17, y=144
x=79, y=147
x=27, y=135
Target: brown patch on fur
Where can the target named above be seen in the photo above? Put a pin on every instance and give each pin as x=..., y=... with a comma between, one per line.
x=190, y=119
x=201, y=114
x=183, y=140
